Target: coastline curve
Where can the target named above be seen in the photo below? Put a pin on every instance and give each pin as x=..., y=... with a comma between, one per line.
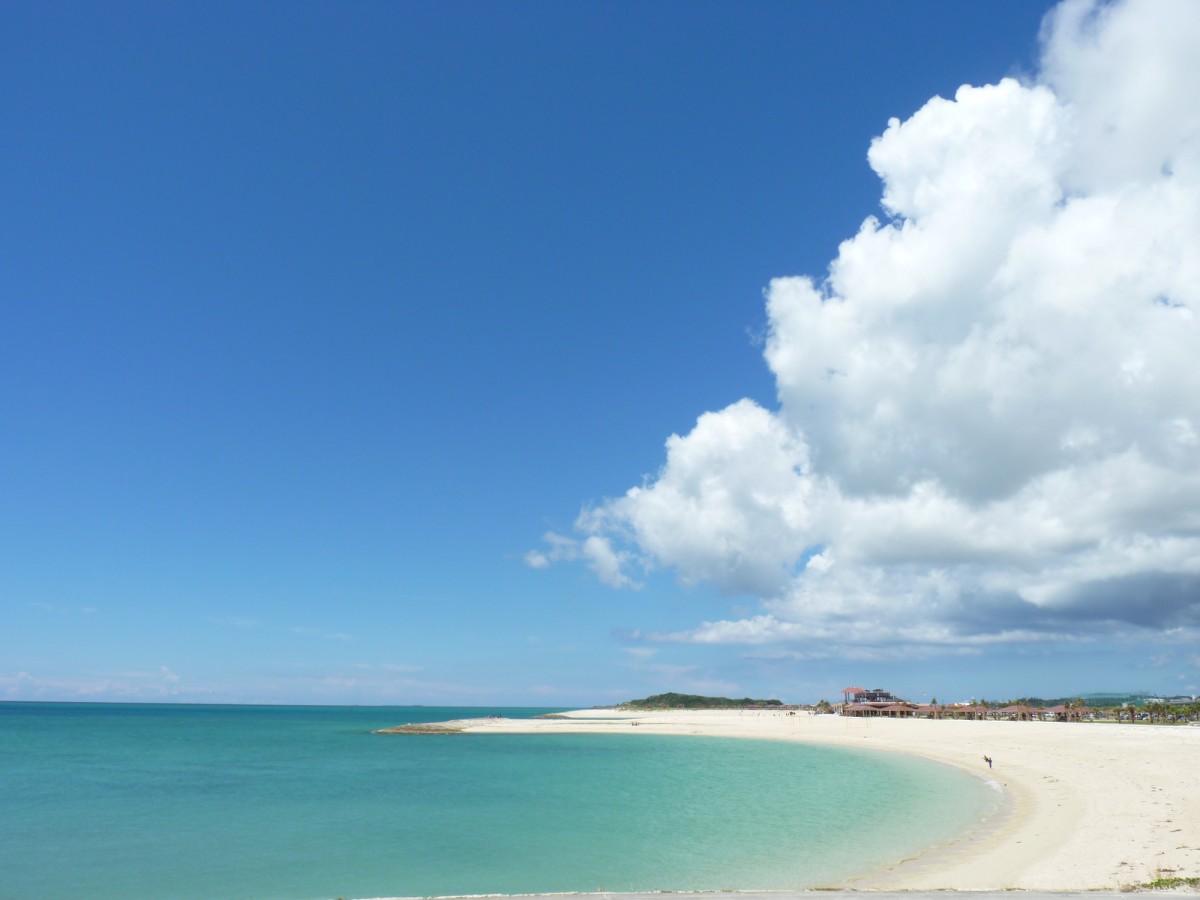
x=1087, y=807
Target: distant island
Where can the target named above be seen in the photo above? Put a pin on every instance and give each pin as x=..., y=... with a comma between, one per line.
x=693, y=701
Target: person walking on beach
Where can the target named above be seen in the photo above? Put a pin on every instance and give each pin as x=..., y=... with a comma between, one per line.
x=988, y=760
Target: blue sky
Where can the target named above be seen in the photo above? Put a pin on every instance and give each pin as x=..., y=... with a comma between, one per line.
x=324, y=322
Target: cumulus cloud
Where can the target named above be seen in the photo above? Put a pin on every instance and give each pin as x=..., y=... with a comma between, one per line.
x=988, y=420
x=735, y=486
x=607, y=563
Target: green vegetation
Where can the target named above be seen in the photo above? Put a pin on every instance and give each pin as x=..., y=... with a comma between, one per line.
x=1135, y=707
x=1172, y=713
x=693, y=701
x=1097, y=700
x=1171, y=882
x=1163, y=882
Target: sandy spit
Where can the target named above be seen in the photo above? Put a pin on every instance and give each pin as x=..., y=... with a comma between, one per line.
x=1087, y=806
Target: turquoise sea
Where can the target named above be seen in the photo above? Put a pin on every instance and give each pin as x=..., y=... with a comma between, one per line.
x=148, y=802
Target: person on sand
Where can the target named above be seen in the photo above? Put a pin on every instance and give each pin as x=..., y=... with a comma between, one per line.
x=988, y=760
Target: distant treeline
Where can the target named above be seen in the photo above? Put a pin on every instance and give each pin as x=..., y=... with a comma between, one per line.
x=1088, y=700
x=693, y=701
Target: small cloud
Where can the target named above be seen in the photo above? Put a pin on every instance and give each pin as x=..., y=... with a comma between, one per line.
x=536, y=559
x=316, y=632
x=607, y=564
x=712, y=686
x=641, y=652
x=63, y=610
x=757, y=630
x=868, y=653
x=669, y=673
x=16, y=685
x=560, y=548
x=398, y=668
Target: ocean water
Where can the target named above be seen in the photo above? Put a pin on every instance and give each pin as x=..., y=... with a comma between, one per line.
x=111, y=801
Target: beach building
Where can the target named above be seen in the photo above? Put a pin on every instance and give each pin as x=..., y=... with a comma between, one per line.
x=1065, y=713
x=973, y=711
x=1017, y=711
x=860, y=702
x=868, y=695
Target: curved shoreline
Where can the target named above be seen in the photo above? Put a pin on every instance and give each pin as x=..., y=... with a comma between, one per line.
x=1088, y=806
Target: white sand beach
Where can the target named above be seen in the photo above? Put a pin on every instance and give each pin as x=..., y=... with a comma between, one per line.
x=1087, y=805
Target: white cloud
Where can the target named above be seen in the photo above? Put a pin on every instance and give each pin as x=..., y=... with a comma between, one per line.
x=16, y=685
x=1129, y=72
x=641, y=652
x=317, y=632
x=536, y=559
x=128, y=685
x=730, y=506
x=988, y=411
x=757, y=630
x=607, y=564
x=388, y=668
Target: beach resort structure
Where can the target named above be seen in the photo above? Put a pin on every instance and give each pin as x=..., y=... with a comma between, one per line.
x=876, y=702
x=861, y=702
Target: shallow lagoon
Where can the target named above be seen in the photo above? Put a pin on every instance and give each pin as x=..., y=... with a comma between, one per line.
x=146, y=801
